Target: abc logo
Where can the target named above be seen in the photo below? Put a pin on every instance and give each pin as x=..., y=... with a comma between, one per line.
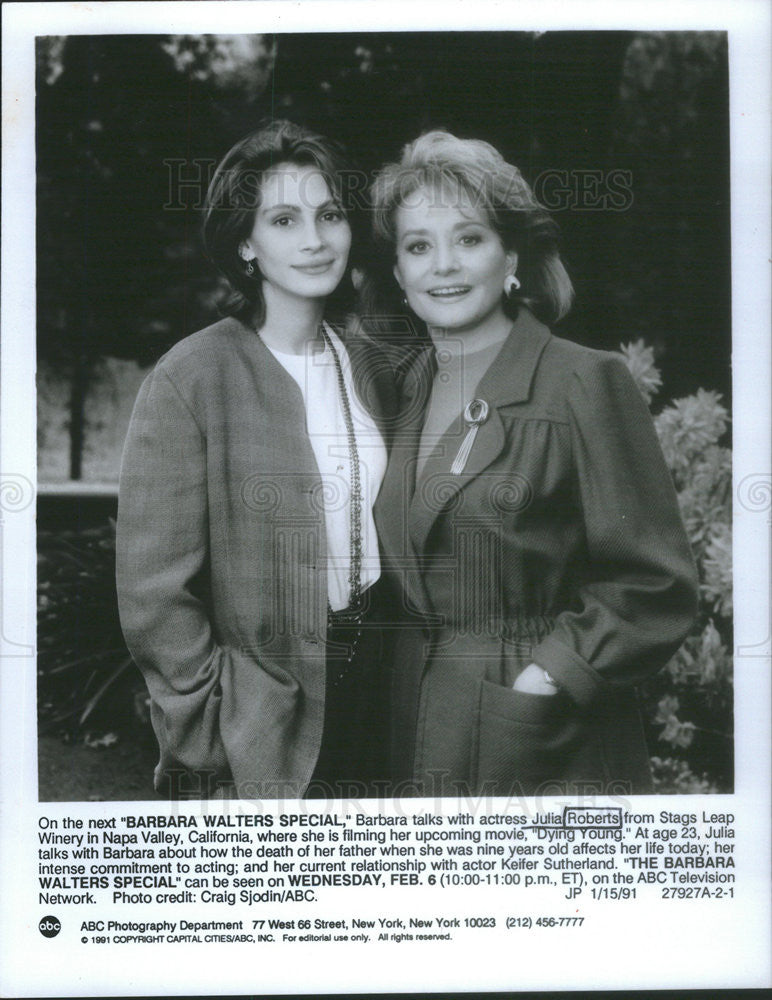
x=49, y=927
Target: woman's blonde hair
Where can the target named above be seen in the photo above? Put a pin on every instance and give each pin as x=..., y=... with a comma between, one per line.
x=445, y=163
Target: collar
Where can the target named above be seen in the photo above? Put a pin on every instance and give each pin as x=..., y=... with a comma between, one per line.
x=510, y=375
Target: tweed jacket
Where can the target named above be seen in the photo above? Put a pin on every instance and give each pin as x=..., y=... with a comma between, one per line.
x=560, y=543
x=222, y=585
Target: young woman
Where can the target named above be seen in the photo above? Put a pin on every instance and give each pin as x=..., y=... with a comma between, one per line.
x=527, y=489
x=247, y=557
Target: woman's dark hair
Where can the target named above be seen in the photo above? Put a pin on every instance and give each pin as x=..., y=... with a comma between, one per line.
x=443, y=162
x=233, y=198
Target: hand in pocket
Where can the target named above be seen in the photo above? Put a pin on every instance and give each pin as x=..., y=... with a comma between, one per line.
x=535, y=680
x=524, y=739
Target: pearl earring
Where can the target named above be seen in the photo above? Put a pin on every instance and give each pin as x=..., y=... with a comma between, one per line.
x=511, y=284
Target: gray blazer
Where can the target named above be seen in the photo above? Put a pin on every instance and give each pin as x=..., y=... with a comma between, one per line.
x=221, y=548
x=560, y=543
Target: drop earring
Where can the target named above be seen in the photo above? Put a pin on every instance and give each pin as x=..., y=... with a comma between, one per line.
x=511, y=284
x=250, y=268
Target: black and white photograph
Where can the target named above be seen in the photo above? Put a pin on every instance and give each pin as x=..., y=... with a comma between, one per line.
x=397, y=460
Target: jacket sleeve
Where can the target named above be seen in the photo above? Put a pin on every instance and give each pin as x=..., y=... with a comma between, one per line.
x=639, y=590
x=162, y=562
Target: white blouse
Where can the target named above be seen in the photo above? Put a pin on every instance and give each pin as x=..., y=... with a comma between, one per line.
x=316, y=376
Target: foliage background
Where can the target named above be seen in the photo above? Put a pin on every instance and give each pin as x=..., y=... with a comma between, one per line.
x=121, y=276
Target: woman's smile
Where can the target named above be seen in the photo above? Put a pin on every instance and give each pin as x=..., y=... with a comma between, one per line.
x=449, y=293
x=320, y=267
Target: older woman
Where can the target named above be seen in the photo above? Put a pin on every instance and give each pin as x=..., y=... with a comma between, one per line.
x=248, y=562
x=527, y=509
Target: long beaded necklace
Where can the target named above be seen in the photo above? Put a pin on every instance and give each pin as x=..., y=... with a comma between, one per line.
x=355, y=504
x=351, y=617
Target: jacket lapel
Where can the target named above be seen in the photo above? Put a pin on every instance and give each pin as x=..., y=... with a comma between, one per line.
x=393, y=504
x=507, y=381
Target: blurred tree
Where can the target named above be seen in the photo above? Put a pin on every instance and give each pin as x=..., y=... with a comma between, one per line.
x=542, y=98
x=669, y=274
